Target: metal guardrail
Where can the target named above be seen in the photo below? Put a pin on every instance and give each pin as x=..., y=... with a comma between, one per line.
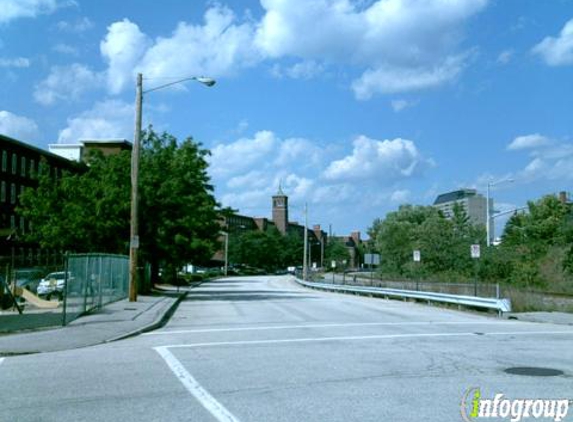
x=501, y=304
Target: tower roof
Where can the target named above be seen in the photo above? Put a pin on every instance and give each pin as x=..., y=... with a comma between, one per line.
x=280, y=191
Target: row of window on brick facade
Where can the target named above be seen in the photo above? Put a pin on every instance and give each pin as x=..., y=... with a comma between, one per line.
x=13, y=192
x=25, y=171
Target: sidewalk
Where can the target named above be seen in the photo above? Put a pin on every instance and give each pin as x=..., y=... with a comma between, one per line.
x=115, y=321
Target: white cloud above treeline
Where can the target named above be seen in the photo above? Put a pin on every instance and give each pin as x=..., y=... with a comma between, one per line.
x=396, y=45
x=557, y=51
x=107, y=119
x=247, y=171
x=18, y=127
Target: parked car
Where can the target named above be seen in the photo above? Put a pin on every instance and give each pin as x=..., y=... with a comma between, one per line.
x=53, y=285
x=28, y=278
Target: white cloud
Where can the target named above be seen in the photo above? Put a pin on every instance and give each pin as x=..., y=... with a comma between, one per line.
x=505, y=56
x=216, y=48
x=80, y=25
x=399, y=45
x=306, y=69
x=389, y=80
x=65, y=49
x=15, y=9
x=400, y=104
x=66, y=83
x=243, y=154
x=107, y=119
x=549, y=163
x=528, y=142
x=374, y=160
x=557, y=51
x=404, y=45
x=15, y=62
x=247, y=172
x=400, y=196
x=299, y=150
x=122, y=48
x=18, y=127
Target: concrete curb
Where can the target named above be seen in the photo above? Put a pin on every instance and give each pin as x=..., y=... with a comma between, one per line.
x=158, y=323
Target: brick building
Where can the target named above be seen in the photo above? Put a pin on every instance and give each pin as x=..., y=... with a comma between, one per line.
x=317, y=238
x=20, y=163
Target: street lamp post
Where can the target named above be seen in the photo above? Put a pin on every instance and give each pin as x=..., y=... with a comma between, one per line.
x=305, y=256
x=133, y=222
x=226, y=234
x=488, y=211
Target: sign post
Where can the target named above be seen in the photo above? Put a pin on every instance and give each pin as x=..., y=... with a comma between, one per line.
x=417, y=258
x=333, y=266
x=372, y=259
x=476, y=253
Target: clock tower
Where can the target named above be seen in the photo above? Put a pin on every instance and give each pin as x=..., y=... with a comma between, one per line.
x=280, y=211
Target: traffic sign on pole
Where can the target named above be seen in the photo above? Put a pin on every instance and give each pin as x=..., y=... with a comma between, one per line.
x=475, y=251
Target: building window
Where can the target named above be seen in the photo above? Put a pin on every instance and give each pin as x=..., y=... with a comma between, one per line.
x=32, y=168
x=23, y=166
x=12, y=193
x=12, y=221
x=4, y=160
x=22, y=224
x=3, y=192
x=14, y=163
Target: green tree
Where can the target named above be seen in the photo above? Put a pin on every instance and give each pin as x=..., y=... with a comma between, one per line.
x=260, y=249
x=90, y=211
x=178, y=212
x=82, y=212
x=336, y=251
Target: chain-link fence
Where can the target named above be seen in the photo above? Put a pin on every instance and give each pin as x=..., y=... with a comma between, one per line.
x=92, y=281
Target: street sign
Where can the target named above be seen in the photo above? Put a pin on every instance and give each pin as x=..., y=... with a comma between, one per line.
x=372, y=258
x=475, y=250
x=333, y=264
x=417, y=256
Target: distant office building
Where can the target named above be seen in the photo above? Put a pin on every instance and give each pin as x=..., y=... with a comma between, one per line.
x=79, y=152
x=472, y=202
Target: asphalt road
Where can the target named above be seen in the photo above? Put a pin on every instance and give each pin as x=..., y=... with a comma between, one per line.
x=264, y=349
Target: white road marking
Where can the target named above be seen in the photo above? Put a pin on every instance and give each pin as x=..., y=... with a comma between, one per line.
x=288, y=327
x=191, y=384
x=1, y=360
x=373, y=337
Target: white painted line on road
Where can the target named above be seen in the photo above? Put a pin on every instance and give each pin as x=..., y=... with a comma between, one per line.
x=1, y=360
x=191, y=384
x=373, y=337
x=357, y=324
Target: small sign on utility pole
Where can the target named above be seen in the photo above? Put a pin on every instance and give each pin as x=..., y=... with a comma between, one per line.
x=333, y=264
x=475, y=251
x=417, y=256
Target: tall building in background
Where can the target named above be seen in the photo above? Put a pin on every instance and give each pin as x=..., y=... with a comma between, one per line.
x=472, y=202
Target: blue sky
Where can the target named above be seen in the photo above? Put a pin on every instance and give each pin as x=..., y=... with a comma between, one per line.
x=356, y=106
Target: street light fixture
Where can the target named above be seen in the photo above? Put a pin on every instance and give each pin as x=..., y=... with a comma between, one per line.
x=133, y=223
x=491, y=184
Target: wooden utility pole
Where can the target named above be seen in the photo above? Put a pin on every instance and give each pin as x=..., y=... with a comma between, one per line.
x=134, y=225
